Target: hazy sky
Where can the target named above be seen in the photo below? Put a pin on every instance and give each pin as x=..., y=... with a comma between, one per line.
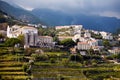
x=109, y=8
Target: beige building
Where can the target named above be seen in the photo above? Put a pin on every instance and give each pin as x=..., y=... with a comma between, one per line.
x=83, y=46
x=115, y=51
x=45, y=41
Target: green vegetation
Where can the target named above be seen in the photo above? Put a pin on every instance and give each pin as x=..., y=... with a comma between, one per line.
x=6, y=19
x=49, y=31
x=67, y=43
x=10, y=42
x=54, y=65
x=11, y=66
x=106, y=43
x=96, y=36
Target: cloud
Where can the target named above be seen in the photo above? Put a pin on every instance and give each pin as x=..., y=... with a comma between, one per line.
x=98, y=7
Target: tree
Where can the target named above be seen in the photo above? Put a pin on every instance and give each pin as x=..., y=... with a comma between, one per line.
x=21, y=38
x=10, y=42
x=67, y=43
x=55, y=38
x=76, y=57
x=118, y=56
x=96, y=36
x=2, y=37
x=106, y=43
x=47, y=31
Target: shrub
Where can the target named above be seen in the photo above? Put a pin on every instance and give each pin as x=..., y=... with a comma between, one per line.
x=52, y=60
x=41, y=57
x=52, y=55
x=75, y=57
x=94, y=62
x=28, y=71
x=28, y=51
x=65, y=62
x=25, y=67
x=85, y=63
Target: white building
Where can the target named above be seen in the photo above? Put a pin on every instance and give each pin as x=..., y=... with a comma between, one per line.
x=30, y=34
x=76, y=37
x=115, y=51
x=77, y=28
x=83, y=46
x=106, y=35
x=61, y=27
x=119, y=35
x=87, y=34
x=16, y=30
x=93, y=42
x=95, y=32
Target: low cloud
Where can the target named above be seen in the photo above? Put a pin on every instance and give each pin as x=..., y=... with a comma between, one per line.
x=99, y=7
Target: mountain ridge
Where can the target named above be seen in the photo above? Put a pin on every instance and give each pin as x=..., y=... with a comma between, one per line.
x=18, y=13
x=95, y=22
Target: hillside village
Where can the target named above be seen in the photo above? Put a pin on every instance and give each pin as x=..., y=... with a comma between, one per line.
x=100, y=42
x=31, y=51
x=89, y=39
x=59, y=40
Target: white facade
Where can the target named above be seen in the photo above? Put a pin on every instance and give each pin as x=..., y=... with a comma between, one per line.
x=106, y=35
x=61, y=27
x=115, y=51
x=30, y=34
x=83, y=46
x=77, y=28
x=119, y=35
x=95, y=32
x=93, y=43
x=87, y=34
x=15, y=31
x=77, y=36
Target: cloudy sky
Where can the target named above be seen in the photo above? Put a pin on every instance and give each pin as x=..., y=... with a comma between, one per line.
x=108, y=8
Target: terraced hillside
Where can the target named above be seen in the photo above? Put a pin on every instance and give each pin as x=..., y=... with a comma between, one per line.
x=52, y=66
x=49, y=71
x=11, y=68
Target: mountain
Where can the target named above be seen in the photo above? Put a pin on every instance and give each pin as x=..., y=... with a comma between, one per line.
x=52, y=18
x=18, y=13
x=6, y=20
x=95, y=22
